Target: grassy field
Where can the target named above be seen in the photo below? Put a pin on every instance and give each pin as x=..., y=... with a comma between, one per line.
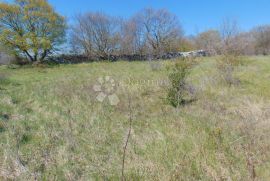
x=52, y=127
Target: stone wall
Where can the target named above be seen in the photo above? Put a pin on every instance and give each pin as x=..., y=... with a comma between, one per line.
x=171, y=55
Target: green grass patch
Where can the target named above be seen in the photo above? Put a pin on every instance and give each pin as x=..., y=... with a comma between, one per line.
x=52, y=122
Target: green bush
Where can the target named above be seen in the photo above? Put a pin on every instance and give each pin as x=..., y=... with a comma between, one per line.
x=179, y=91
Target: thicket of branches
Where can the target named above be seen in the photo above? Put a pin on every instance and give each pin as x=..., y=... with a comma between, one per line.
x=155, y=32
x=33, y=30
x=148, y=32
x=229, y=39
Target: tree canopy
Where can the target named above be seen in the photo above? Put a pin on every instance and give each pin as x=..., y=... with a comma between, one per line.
x=31, y=28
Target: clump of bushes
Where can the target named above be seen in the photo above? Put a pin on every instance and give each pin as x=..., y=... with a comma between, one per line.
x=180, y=92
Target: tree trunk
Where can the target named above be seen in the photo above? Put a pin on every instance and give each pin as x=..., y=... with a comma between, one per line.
x=43, y=56
x=29, y=56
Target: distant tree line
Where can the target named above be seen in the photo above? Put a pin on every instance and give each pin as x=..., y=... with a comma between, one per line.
x=230, y=39
x=31, y=29
x=148, y=32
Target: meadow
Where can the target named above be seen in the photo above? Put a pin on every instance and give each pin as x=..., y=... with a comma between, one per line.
x=53, y=127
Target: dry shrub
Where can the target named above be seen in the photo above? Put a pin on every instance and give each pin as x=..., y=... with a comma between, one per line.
x=227, y=65
x=155, y=65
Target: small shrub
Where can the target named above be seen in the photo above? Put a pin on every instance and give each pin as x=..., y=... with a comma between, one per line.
x=4, y=79
x=226, y=66
x=2, y=126
x=3, y=118
x=179, y=90
x=25, y=138
x=155, y=65
x=13, y=66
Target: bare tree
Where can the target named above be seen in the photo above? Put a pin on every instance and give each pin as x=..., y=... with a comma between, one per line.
x=81, y=40
x=229, y=32
x=149, y=32
x=262, y=39
x=230, y=49
x=133, y=37
x=96, y=34
x=209, y=40
x=247, y=42
x=162, y=28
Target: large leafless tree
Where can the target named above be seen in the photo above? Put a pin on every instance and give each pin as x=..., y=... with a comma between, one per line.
x=229, y=32
x=161, y=29
x=96, y=34
x=133, y=40
x=148, y=32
